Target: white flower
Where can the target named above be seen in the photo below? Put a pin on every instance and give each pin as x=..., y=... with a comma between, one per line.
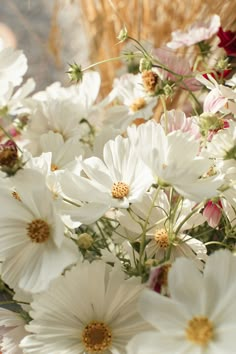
x=58, y=116
x=160, y=232
x=117, y=182
x=91, y=309
x=174, y=160
x=15, y=102
x=200, y=315
x=32, y=242
x=12, y=331
x=63, y=153
x=13, y=65
x=223, y=144
x=130, y=92
x=177, y=120
x=198, y=32
x=220, y=97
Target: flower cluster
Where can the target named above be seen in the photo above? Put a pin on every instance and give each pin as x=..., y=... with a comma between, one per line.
x=118, y=222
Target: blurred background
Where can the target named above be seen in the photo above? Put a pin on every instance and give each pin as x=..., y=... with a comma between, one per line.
x=54, y=33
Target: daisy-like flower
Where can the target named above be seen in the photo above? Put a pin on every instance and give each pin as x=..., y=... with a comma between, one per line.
x=198, y=32
x=136, y=102
x=12, y=331
x=199, y=316
x=58, y=116
x=32, y=240
x=14, y=102
x=160, y=233
x=63, y=153
x=91, y=309
x=117, y=182
x=174, y=160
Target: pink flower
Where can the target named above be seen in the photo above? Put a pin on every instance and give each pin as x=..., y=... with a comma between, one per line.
x=198, y=32
x=178, y=65
x=213, y=213
x=158, y=279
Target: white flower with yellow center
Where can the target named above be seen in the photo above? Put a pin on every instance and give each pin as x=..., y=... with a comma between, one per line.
x=91, y=309
x=32, y=242
x=161, y=234
x=199, y=316
x=133, y=101
x=118, y=181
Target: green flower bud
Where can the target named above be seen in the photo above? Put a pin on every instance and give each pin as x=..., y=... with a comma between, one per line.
x=145, y=64
x=75, y=72
x=210, y=121
x=123, y=35
x=85, y=241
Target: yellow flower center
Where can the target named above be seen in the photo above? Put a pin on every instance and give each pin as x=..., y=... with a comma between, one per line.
x=54, y=167
x=38, y=230
x=162, y=238
x=96, y=337
x=199, y=330
x=120, y=190
x=138, y=104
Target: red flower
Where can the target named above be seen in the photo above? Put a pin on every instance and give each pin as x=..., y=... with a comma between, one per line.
x=227, y=41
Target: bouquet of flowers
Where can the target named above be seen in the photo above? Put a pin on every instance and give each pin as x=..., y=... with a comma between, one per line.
x=118, y=215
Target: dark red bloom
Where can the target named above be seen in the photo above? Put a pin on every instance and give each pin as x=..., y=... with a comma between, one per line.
x=227, y=41
x=8, y=154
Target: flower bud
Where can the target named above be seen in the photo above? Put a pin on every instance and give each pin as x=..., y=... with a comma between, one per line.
x=145, y=64
x=210, y=122
x=10, y=162
x=75, y=72
x=123, y=35
x=85, y=241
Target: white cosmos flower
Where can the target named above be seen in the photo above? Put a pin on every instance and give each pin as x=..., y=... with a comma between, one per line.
x=199, y=316
x=135, y=102
x=32, y=240
x=155, y=210
x=58, y=116
x=12, y=331
x=62, y=153
x=83, y=95
x=91, y=309
x=223, y=144
x=13, y=65
x=117, y=182
x=198, y=32
x=15, y=102
x=174, y=160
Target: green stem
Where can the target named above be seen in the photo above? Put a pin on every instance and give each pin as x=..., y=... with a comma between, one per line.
x=102, y=62
x=143, y=235
x=187, y=217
